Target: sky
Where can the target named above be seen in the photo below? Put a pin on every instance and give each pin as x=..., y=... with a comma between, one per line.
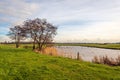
x=77, y=20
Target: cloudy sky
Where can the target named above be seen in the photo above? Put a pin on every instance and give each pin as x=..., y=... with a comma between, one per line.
x=77, y=20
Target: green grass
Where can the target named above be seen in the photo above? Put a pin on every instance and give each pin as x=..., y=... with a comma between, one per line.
x=107, y=45
x=23, y=64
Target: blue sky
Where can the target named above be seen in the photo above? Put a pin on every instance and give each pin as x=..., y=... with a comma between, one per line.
x=77, y=20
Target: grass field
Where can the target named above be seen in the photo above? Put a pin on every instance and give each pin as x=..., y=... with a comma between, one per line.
x=24, y=64
x=97, y=45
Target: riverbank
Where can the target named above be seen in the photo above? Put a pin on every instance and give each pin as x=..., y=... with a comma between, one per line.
x=96, y=45
x=24, y=64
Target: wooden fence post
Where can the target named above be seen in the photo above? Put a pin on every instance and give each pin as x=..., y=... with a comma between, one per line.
x=78, y=56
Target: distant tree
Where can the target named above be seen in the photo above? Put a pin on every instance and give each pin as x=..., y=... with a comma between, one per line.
x=17, y=33
x=40, y=31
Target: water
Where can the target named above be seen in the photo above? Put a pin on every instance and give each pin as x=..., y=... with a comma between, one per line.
x=87, y=53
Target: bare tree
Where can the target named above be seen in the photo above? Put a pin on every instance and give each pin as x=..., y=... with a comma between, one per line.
x=17, y=33
x=40, y=31
x=28, y=25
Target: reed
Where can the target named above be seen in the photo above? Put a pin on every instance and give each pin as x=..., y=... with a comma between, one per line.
x=106, y=60
x=50, y=51
x=53, y=52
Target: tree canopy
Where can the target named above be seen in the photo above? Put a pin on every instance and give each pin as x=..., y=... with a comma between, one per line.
x=39, y=30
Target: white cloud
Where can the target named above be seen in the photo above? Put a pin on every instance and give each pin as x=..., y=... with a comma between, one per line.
x=96, y=32
x=100, y=17
x=17, y=9
x=4, y=38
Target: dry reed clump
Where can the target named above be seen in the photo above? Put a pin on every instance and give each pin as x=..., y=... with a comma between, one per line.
x=53, y=52
x=50, y=51
x=106, y=60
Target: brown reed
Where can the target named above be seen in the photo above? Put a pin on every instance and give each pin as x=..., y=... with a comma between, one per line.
x=106, y=60
x=50, y=51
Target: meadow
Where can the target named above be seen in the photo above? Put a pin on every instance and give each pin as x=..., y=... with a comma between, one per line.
x=24, y=64
x=97, y=45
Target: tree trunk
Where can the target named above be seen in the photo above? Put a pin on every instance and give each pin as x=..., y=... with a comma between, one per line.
x=17, y=41
x=17, y=45
x=34, y=45
x=39, y=47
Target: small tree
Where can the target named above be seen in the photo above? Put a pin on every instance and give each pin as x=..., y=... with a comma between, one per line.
x=40, y=31
x=17, y=33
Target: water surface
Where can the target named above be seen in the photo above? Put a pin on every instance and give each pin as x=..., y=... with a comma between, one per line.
x=87, y=53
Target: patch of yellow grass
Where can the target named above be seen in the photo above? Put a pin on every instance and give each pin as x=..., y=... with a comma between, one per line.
x=50, y=51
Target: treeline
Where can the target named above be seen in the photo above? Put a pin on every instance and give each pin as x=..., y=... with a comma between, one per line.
x=29, y=42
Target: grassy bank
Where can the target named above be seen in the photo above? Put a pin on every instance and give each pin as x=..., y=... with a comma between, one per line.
x=23, y=64
x=107, y=45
